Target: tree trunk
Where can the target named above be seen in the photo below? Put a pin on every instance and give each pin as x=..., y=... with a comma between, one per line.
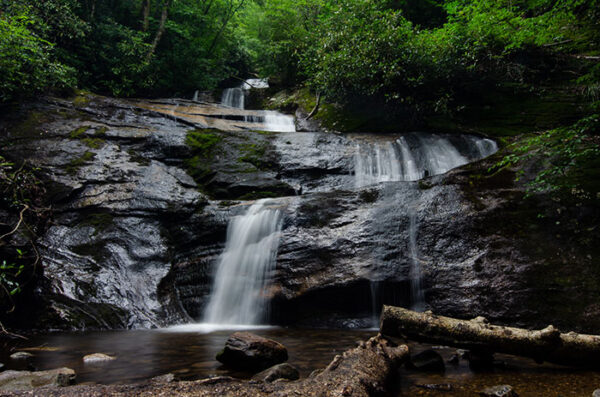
x=145, y=15
x=232, y=11
x=160, y=31
x=316, y=108
x=547, y=344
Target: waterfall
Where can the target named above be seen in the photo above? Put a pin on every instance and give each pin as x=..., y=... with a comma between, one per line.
x=196, y=94
x=274, y=121
x=416, y=274
x=233, y=98
x=416, y=156
x=237, y=295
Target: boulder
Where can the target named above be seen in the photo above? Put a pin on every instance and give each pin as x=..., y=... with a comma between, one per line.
x=97, y=358
x=499, y=391
x=596, y=393
x=13, y=381
x=21, y=356
x=279, y=371
x=427, y=361
x=247, y=351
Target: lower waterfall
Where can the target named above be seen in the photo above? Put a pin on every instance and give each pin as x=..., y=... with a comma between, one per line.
x=237, y=295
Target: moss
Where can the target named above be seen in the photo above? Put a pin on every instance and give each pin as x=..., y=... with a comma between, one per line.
x=137, y=158
x=78, y=133
x=100, y=132
x=99, y=221
x=254, y=153
x=30, y=126
x=369, y=196
x=93, y=250
x=75, y=164
x=93, y=143
x=227, y=203
x=424, y=185
x=81, y=99
x=204, y=145
x=258, y=195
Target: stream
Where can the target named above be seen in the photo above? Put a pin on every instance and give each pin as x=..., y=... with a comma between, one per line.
x=189, y=355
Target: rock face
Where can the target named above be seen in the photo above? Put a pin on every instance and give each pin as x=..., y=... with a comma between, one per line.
x=134, y=237
x=247, y=351
x=13, y=381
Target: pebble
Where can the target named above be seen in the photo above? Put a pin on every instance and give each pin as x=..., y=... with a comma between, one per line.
x=97, y=358
x=21, y=355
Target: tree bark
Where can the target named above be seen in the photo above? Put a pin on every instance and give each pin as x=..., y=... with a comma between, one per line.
x=232, y=11
x=548, y=344
x=160, y=31
x=316, y=108
x=145, y=15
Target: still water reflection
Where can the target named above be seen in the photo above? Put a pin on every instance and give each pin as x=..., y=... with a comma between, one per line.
x=190, y=355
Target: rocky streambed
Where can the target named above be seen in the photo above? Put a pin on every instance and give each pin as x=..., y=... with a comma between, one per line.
x=142, y=193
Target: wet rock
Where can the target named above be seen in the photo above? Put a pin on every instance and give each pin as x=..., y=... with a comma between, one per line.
x=280, y=371
x=12, y=381
x=244, y=350
x=436, y=386
x=454, y=359
x=499, y=391
x=167, y=378
x=427, y=361
x=21, y=356
x=96, y=358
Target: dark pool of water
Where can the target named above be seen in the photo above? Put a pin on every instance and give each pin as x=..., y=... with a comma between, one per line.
x=190, y=355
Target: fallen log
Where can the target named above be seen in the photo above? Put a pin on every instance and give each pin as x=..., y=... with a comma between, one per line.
x=546, y=345
x=364, y=371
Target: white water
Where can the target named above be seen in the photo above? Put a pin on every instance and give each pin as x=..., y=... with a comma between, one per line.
x=275, y=121
x=270, y=120
x=410, y=160
x=416, y=273
x=238, y=293
x=234, y=98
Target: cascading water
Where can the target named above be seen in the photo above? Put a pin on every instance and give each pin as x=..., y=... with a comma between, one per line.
x=416, y=156
x=234, y=98
x=416, y=274
x=269, y=120
x=237, y=295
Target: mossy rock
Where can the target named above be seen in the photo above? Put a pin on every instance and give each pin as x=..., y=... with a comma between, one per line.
x=75, y=164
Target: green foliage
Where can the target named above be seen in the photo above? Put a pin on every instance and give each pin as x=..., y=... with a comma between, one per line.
x=9, y=274
x=566, y=153
x=27, y=65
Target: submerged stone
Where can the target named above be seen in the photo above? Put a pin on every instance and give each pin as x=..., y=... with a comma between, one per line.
x=247, y=351
x=499, y=391
x=427, y=361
